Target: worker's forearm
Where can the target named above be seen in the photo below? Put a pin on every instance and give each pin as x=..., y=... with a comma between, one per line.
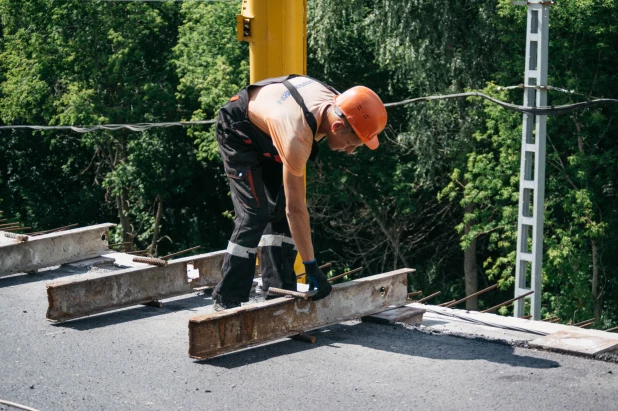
x=298, y=219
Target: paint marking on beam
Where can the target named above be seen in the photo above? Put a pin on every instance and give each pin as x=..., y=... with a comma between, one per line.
x=53, y=249
x=226, y=331
x=97, y=293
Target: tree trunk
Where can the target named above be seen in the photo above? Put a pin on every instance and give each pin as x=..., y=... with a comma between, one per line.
x=392, y=241
x=125, y=222
x=470, y=266
x=595, y=281
x=155, y=231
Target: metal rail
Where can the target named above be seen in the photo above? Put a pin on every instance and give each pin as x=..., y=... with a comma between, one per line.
x=227, y=331
x=97, y=293
x=52, y=249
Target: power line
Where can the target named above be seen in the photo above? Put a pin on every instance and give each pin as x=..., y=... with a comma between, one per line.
x=161, y=1
x=538, y=111
x=550, y=110
x=113, y=127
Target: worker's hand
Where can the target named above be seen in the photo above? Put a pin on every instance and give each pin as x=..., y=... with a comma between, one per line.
x=318, y=280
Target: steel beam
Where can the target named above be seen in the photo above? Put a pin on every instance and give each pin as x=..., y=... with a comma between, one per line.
x=52, y=249
x=97, y=293
x=226, y=331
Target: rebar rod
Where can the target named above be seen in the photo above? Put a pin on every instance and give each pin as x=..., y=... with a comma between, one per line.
x=446, y=304
x=491, y=287
x=278, y=291
x=422, y=300
x=150, y=260
x=609, y=330
x=53, y=230
x=321, y=268
x=136, y=252
x=583, y=322
x=414, y=294
x=180, y=252
x=512, y=300
x=330, y=280
x=19, y=237
x=588, y=324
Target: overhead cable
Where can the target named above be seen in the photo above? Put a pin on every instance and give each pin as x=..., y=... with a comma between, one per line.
x=539, y=111
x=113, y=127
x=162, y=1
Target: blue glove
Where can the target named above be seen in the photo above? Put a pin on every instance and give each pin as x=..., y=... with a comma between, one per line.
x=317, y=279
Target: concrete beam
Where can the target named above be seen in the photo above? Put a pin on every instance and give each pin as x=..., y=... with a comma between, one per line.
x=52, y=249
x=230, y=330
x=97, y=293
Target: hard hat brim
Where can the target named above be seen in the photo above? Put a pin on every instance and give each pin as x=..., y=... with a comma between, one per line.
x=372, y=143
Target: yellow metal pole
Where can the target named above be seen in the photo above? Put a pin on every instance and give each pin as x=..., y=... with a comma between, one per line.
x=276, y=31
x=277, y=34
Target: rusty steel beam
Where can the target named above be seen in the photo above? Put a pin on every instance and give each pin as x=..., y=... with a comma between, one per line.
x=53, y=249
x=97, y=293
x=230, y=330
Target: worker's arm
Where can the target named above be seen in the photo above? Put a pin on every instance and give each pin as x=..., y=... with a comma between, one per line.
x=298, y=218
x=297, y=214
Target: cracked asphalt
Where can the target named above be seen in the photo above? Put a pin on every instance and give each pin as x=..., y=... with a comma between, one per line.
x=136, y=359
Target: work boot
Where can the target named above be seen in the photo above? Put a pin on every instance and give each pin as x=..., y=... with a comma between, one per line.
x=256, y=295
x=218, y=304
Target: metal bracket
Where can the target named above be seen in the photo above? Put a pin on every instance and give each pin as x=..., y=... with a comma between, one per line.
x=243, y=28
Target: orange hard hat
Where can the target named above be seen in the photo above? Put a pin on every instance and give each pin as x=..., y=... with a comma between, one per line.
x=365, y=112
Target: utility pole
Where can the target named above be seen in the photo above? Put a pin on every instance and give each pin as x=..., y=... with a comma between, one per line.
x=529, y=265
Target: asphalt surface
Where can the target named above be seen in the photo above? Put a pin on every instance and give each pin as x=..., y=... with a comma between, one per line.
x=136, y=359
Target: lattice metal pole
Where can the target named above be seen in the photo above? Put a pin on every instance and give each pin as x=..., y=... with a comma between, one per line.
x=528, y=270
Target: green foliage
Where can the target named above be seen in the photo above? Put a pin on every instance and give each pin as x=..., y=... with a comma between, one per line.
x=211, y=64
x=446, y=174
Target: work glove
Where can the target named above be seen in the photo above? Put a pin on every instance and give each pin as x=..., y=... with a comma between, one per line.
x=317, y=279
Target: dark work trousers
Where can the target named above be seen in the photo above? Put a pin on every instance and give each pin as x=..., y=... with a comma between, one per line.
x=255, y=175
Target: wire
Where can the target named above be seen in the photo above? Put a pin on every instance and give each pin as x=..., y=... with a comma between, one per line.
x=13, y=404
x=539, y=111
x=113, y=127
x=551, y=88
x=162, y=1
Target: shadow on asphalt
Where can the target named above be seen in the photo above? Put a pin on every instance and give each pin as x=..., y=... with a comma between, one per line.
x=394, y=339
x=45, y=275
x=135, y=313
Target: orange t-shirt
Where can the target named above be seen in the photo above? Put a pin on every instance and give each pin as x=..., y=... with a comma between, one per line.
x=274, y=111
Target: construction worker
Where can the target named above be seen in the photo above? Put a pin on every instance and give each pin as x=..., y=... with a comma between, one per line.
x=266, y=134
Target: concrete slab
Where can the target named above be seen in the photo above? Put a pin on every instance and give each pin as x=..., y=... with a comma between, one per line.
x=576, y=343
